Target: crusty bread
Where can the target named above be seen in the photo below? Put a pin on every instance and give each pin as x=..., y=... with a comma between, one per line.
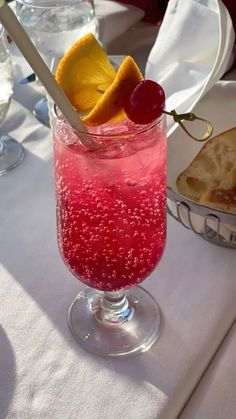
x=211, y=177
x=221, y=199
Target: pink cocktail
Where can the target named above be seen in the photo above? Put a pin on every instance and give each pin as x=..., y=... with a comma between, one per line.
x=111, y=221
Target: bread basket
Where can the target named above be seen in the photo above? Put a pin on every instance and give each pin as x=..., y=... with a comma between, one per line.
x=213, y=225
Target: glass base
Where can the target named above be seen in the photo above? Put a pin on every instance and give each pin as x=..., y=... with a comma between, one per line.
x=115, y=324
x=11, y=154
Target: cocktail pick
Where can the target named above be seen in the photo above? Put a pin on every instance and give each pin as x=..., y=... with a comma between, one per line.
x=189, y=116
x=146, y=103
x=21, y=39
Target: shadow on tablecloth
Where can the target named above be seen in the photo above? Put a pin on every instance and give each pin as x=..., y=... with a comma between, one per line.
x=7, y=373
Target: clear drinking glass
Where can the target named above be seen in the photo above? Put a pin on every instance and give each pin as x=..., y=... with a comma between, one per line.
x=53, y=26
x=11, y=152
x=111, y=224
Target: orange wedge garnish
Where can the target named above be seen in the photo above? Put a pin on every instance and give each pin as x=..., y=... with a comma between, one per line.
x=92, y=84
x=85, y=73
x=110, y=105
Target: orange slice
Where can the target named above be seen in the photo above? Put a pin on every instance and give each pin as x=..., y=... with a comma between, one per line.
x=110, y=105
x=85, y=73
x=91, y=83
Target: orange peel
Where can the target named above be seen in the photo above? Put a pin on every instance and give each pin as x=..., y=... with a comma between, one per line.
x=91, y=83
x=110, y=105
x=85, y=73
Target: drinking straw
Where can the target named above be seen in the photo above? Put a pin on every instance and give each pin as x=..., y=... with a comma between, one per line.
x=23, y=42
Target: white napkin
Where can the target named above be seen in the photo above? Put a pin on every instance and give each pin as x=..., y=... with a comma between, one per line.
x=192, y=51
x=115, y=19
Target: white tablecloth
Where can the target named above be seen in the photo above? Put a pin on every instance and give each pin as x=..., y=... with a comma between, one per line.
x=44, y=374
x=215, y=396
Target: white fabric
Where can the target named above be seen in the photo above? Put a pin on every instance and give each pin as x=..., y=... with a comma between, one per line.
x=44, y=374
x=115, y=19
x=192, y=51
x=214, y=397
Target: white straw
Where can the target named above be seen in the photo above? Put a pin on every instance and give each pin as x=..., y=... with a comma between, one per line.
x=21, y=39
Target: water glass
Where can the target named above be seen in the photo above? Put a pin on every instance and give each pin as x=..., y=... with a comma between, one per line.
x=11, y=152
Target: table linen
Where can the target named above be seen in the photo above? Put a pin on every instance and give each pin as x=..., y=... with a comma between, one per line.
x=44, y=373
x=214, y=397
x=114, y=19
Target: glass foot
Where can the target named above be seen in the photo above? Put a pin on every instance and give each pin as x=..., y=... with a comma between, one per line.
x=11, y=154
x=115, y=324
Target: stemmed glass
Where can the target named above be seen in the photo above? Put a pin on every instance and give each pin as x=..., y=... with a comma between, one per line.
x=111, y=223
x=53, y=26
x=11, y=152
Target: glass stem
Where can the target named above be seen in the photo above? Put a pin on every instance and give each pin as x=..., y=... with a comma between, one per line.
x=114, y=307
x=2, y=147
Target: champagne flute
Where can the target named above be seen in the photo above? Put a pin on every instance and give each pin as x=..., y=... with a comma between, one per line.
x=53, y=26
x=11, y=152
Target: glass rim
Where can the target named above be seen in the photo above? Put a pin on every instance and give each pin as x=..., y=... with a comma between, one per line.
x=140, y=129
x=46, y=4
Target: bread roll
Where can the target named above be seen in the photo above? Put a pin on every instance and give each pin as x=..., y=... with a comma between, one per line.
x=211, y=177
x=221, y=199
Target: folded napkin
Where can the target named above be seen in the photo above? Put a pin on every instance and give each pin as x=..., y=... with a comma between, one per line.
x=115, y=19
x=192, y=51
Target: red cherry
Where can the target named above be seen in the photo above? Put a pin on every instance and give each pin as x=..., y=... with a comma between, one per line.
x=146, y=102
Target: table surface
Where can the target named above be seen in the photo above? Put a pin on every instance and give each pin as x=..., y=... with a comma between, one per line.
x=44, y=373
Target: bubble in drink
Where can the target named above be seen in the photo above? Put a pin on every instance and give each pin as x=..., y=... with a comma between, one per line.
x=129, y=242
